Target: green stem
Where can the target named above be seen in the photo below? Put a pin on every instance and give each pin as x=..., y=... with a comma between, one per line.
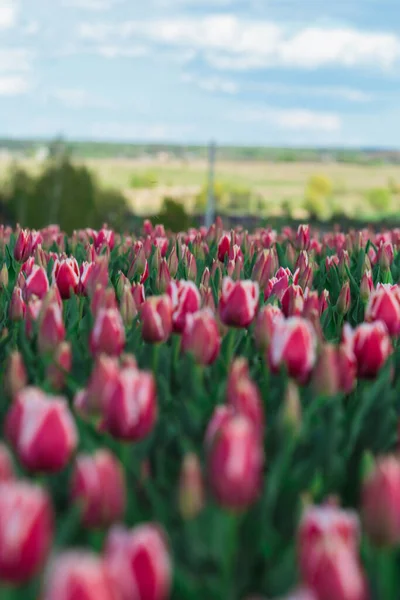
x=156, y=356
x=230, y=347
x=231, y=547
x=386, y=573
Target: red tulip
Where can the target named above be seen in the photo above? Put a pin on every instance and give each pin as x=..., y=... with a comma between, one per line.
x=26, y=530
x=335, y=370
x=85, y=271
x=201, y=336
x=36, y=283
x=186, y=299
x=138, y=293
x=77, y=575
x=264, y=267
x=66, y=275
x=344, y=301
x=103, y=297
x=161, y=242
x=191, y=487
x=128, y=308
x=331, y=261
x=17, y=308
x=366, y=286
x=105, y=237
x=51, y=331
x=15, y=378
x=292, y=301
x=33, y=309
x=173, y=262
x=131, y=412
x=97, y=275
x=108, y=334
x=238, y=302
x=384, y=305
x=41, y=430
x=163, y=277
x=372, y=348
x=98, y=484
x=156, y=317
x=381, y=502
x=23, y=245
x=224, y=247
x=6, y=465
x=293, y=344
x=244, y=396
x=139, y=562
x=385, y=255
x=235, y=464
x=104, y=374
x=62, y=365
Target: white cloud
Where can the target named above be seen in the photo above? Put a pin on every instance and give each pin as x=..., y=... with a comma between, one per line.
x=77, y=99
x=8, y=13
x=291, y=119
x=212, y=84
x=13, y=85
x=95, y=5
x=121, y=51
x=15, y=59
x=31, y=28
x=228, y=42
x=156, y=132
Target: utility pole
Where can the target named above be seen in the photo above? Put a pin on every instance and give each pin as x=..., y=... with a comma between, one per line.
x=210, y=211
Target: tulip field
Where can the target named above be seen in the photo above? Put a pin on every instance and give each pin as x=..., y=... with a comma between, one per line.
x=205, y=415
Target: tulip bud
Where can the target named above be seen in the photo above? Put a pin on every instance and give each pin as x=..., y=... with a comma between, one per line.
x=267, y=317
x=381, y=501
x=156, y=259
x=121, y=283
x=293, y=301
x=366, y=286
x=23, y=245
x=17, y=308
x=344, y=300
x=51, y=330
x=105, y=237
x=205, y=278
x=293, y=344
x=66, y=275
x=191, y=266
x=235, y=463
x=128, y=308
x=77, y=575
x=6, y=465
x=3, y=277
x=384, y=305
x=221, y=415
x=292, y=412
x=207, y=298
x=331, y=261
x=224, y=246
x=303, y=237
x=201, y=337
x=108, y=334
x=163, y=277
x=186, y=299
x=160, y=241
x=238, y=302
x=156, y=317
x=33, y=309
x=191, y=487
x=98, y=484
x=131, y=412
x=41, y=430
x=26, y=530
x=244, y=396
x=139, y=562
x=372, y=348
x=138, y=294
x=173, y=262
x=15, y=378
x=385, y=256
x=56, y=372
x=85, y=272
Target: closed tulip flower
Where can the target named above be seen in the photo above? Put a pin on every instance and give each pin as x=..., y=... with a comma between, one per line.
x=224, y=247
x=156, y=318
x=41, y=430
x=66, y=275
x=366, y=286
x=191, y=487
x=85, y=272
x=98, y=485
x=186, y=299
x=371, y=347
x=62, y=365
x=36, y=283
x=26, y=530
x=303, y=237
x=103, y=298
x=103, y=376
x=23, y=245
x=139, y=562
x=138, y=293
x=384, y=305
x=221, y=415
x=17, y=308
x=201, y=336
x=15, y=378
x=238, y=302
x=381, y=502
x=131, y=411
x=294, y=344
x=235, y=464
x=128, y=308
x=293, y=301
x=245, y=398
x=108, y=334
x=51, y=330
x=78, y=575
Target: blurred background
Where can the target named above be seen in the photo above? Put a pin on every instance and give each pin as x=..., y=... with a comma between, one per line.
x=272, y=110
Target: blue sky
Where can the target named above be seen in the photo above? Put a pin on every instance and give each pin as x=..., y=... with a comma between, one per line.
x=267, y=72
